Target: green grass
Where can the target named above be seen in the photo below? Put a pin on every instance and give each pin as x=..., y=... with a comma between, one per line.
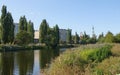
x=110, y=66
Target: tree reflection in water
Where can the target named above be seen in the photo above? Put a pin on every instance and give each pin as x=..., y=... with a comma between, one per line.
x=25, y=62
x=7, y=63
x=46, y=55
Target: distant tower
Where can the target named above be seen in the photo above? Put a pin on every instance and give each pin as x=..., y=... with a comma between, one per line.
x=93, y=32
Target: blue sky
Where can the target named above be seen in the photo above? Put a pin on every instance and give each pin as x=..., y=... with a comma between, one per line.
x=78, y=15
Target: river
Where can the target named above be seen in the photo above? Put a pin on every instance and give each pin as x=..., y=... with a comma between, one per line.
x=28, y=62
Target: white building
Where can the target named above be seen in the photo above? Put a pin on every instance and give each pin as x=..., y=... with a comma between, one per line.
x=36, y=36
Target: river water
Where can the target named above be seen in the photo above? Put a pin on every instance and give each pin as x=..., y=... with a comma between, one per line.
x=28, y=62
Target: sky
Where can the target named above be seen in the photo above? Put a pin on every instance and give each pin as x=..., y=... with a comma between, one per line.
x=78, y=15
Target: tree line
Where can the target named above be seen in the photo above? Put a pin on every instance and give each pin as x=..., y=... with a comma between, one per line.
x=86, y=39
x=47, y=35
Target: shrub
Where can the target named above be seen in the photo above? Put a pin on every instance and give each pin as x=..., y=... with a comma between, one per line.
x=97, y=54
x=23, y=38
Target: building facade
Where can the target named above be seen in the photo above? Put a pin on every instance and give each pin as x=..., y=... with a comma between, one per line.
x=36, y=36
x=63, y=35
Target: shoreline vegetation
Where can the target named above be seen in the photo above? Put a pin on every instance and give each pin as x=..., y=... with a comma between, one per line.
x=10, y=47
x=92, y=59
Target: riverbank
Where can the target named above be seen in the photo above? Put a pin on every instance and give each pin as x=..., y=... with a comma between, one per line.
x=5, y=48
x=9, y=47
x=98, y=59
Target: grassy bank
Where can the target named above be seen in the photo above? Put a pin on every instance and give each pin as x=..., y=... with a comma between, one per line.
x=98, y=59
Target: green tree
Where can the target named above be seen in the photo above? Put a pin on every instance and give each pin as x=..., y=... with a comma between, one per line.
x=69, y=36
x=30, y=30
x=117, y=38
x=43, y=34
x=22, y=24
x=10, y=28
x=0, y=31
x=73, y=39
x=93, y=39
x=101, y=38
x=109, y=38
x=77, y=38
x=51, y=39
x=49, y=36
x=23, y=38
x=85, y=39
x=7, y=26
x=26, y=32
x=4, y=33
x=56, y=29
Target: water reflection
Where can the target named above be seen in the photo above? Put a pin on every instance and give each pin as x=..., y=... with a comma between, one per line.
x=46, y=55
x=26, y=62
x=6, y=64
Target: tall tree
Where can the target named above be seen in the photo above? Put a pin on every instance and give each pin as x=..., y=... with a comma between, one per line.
x=0, y=30
x=101, y=35
x=69, y=36
x=51, y=39
x=30, y=30
x=77, y=38
x=3, y=24
x=85, y=38
x=93, y=39
x=43, y=34
x=23, y=24
x=7, y=26
x=26, y=31
x=56, y=29
x=101, y=38
x=10, y=28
